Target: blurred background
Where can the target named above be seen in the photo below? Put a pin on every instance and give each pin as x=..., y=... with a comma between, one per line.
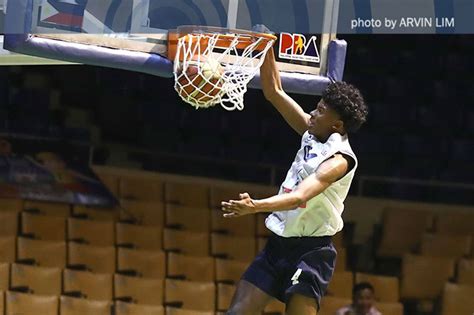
x=417, y=144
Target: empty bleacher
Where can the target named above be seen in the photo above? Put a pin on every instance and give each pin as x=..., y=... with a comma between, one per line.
x=159, y=253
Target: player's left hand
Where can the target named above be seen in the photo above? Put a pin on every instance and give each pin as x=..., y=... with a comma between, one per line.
x=237, y=208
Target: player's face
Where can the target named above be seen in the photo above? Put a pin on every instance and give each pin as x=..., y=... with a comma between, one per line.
x=324, y=121
x=363, y=301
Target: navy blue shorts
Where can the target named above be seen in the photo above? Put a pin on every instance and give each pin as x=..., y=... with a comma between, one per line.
x=289, y=265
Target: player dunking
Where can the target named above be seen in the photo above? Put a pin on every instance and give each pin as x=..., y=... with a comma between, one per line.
x=298, y=260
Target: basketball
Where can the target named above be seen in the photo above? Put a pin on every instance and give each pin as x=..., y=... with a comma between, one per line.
x=201, y=82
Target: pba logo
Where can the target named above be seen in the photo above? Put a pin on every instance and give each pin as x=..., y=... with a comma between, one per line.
x=298, y=47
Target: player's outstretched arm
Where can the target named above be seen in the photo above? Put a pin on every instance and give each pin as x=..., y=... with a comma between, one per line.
x=273, y=91
x=326, y=174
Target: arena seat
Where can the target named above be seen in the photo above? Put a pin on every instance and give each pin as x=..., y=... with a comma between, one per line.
x=229, y=271
x=122, y=308
x=453, y=223
x=225, y=292
x=190, y=268
x=423, y=277
x=4, y=277
x=338, y=240
x=401, y=236
x=465, y=271
x=36, y=280
x=387, y=289
x=100, y=233
x=241, y=226
x=141, y=188
x=139, y=236
x=8, y=223
x=48, y=208
x=330, y=304
x=76, y=306
x=42, y=253
x=149, y=213
x=186, y=242
x=22, y=303
x=233, y=247
x=472, y=246
x=11, y=204
x=454, y=246
x=7, y=249
x=341, y=260
x=457, y=299
x=96, y=214
x=188, y=218
x=100, y=259
x=187, y=194
x=261, y=227
x=219, y=194
x=43, y=227
x=199, y=296
x=94, y=286
x=341, y=284
x=144, y=263
x=223, y=193
x=390, y=308
x=181, y=311
x=138, y=290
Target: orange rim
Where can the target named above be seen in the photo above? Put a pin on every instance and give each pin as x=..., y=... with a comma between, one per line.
x=223, y=41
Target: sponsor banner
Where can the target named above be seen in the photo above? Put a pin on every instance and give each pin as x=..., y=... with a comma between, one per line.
x=50, y=170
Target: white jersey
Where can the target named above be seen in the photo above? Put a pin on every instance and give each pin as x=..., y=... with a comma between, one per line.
x=321, y=215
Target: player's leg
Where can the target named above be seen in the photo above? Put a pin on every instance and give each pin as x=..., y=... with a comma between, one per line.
x=310, y=277
x=248, y=300
x=259, y=284
x=301, y=305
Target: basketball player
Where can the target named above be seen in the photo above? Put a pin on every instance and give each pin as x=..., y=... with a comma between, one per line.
x=298, y=260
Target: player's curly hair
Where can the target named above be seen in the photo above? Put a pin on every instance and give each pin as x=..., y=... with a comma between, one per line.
x=348, y=102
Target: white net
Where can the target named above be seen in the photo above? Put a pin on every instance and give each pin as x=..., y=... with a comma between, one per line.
x=214, y=68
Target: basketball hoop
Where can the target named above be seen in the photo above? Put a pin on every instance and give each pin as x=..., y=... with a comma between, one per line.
x=214, y=65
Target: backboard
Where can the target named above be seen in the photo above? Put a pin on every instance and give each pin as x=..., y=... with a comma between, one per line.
x=133, y=34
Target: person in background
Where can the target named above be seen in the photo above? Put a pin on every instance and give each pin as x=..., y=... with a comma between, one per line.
x=363, y=300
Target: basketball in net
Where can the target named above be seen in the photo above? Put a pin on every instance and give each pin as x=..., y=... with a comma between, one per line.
x=201, y=82
x=214, y=65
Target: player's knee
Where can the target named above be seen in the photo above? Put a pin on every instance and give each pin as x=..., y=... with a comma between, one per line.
x=301, y=305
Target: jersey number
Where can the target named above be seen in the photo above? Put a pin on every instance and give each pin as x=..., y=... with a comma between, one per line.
x=307, y=155
x=296, y=276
